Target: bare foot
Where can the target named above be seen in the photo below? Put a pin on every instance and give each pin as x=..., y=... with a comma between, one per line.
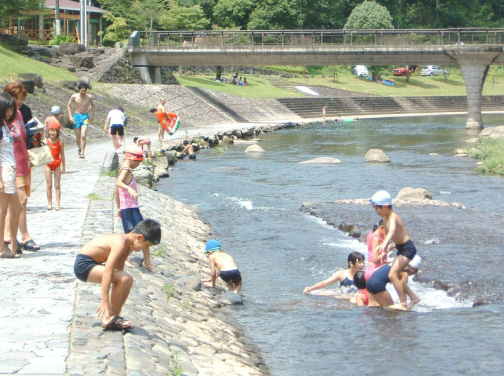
x=49, y=207
x=398, y=307
x=57, y=208
x=149, y=266
x=413, y=302
x=129, y=264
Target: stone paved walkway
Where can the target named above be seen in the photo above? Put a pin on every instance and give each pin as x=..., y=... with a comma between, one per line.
x=37, y=294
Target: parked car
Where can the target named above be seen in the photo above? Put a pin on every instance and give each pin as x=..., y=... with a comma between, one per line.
x=403, y=71
x=432, y=70
x=360, y=71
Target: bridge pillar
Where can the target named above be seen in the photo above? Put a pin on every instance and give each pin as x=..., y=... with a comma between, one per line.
x=150, y=75
x=474, y=64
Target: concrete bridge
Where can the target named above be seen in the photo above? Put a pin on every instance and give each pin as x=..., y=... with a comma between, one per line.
x=474, y=50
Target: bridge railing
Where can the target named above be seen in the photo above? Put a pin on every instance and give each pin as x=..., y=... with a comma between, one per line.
x=318, y=38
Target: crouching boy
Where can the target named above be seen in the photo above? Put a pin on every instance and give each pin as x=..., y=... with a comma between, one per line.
x=228, y=270
x=102, y=261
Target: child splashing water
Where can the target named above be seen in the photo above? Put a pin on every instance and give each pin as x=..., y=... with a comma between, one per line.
x=57, y=166
x=345, y=276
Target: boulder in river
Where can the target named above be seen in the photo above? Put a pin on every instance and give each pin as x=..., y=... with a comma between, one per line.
x=377, y=156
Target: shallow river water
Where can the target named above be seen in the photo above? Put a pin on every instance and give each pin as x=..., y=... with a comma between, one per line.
x=253, y=202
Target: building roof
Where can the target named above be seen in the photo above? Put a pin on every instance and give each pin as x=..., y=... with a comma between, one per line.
x=72, y=6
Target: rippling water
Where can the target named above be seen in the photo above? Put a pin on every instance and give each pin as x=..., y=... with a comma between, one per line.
x=253, y=203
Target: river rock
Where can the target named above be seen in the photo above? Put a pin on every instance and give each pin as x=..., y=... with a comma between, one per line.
x=191, y=282
x=29, y=85
x=71, y=48
x=409, y=193
x=229, y=298
x=85, y=80
x=376, y=156
x=144, y=176
x=322, y=160
x=36, y=78
x=493, y=132
x=254, y=149
x=460, y=153
x=227, y=140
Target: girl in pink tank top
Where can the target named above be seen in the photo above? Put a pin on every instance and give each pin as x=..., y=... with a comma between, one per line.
x=375, y=259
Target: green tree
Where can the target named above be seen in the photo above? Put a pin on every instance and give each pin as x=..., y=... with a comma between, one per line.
x=145, y=14
x=15, y=8
x=206, y=5
x=233, y=13
x=276, y=15
x=369, y=15
x=326, y=14
x=117, y=31
x=184, y=18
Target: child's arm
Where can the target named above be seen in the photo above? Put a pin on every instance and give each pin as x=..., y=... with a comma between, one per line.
x=120, y=183
x=213, y=271
x=62, y=154
x=106, y=123
x=336, y=277
x=105, y=308
x=392, y=225
x=118, y=203
x=91, y=105
x=69, y=108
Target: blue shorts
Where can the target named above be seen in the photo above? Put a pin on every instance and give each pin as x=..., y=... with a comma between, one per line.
x=117, y=129
x=81, y=120
x=407, y=249
x=83, y=266
x=192, y=156
x=378, y=281
x=231, y=275
x=130, y=218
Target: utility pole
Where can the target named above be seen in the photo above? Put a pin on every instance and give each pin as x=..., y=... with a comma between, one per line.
x=83, y=22
x=57, y=18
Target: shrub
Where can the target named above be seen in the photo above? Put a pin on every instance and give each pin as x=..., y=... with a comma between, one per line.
x=62, y=38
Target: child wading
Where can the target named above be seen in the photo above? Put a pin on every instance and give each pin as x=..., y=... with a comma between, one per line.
x=102, y=261
x=228, y=270
x=126, y=197
x=57, y=166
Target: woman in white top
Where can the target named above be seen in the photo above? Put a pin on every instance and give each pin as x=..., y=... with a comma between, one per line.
x=8, y=190
x=116, y=119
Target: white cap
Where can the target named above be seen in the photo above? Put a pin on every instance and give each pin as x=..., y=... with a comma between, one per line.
x=55, y=110
x=416, y=263
x=381, y=198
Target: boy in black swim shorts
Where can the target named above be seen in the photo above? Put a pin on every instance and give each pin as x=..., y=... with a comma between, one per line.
x=225, y=263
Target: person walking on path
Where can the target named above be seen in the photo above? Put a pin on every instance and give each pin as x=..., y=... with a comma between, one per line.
x=57, y=166
x=116, y=119
x=84, y=114
x=161, y=108
x=23, y=170
x=8, y=192
x=324, y=112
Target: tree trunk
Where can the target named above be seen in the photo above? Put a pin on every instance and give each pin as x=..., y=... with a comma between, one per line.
x=57, y=18
x=218, y=73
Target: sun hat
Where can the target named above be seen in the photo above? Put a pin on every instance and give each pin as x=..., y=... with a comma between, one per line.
x=54, y=124
x=416, y=263
x=134, y=153
x=55, y=110
x=381, y=198
x=212, y=246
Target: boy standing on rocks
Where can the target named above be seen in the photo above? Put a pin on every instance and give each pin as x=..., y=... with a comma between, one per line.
x=83, y=102
x=102, y=261
x=396, y=233
x=228, y=270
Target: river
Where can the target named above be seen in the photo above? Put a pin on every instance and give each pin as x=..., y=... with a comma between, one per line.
x=253, y=203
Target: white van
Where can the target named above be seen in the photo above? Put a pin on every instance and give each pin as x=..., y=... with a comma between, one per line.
x=360, y=71
x=432, y=70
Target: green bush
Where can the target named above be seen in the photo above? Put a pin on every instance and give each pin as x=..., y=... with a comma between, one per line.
x=491, y=152
x=62, y=38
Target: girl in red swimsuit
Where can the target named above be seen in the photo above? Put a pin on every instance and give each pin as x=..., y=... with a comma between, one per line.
x=57, y=166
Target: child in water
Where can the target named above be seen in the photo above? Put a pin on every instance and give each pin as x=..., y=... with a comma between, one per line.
x=126, y=197
x=373, y=240
x=345, y=277
x=228, y=270
x=58, y=165
x=362, y=298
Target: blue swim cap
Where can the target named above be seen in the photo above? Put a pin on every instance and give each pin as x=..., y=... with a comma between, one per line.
x=212, y=246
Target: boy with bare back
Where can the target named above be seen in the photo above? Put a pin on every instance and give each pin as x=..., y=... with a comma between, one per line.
x=228, y=270
x=102, y=261
x=83, y=103
x=395, y=233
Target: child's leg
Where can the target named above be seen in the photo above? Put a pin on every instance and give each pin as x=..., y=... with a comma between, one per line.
x=48, y=177
x=230, y=285
x=14, y=212
x=147, y=263
x=4, y=207
x=383, y=298
x=237, y=287
x=413, y=298
x=395, y=277
x=121, y=286
x=57, y=186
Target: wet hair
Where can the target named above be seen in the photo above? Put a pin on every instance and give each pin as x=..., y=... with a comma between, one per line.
x=359, y=280
x=16, y=89
x=353, y=257
x=375, y=226
x=150, y=229
x=186, y=142
x=6, y=102
x=83, y=85
x=135, y=139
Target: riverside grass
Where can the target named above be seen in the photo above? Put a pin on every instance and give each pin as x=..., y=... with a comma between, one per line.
x=490, y=151
x=13, y=64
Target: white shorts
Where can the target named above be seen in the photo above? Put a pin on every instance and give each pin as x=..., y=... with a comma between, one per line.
x=9, y=180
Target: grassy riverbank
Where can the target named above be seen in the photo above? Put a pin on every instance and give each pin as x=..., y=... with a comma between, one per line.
x=490, y=151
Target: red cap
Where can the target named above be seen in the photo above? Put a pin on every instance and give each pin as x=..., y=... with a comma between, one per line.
x=54, y=124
